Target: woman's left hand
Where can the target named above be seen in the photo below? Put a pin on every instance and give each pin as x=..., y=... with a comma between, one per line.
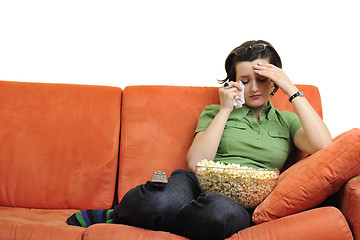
x=277, y=75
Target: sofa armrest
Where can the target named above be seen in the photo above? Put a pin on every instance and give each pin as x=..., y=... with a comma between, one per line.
x=349, y=204
x=326, y=223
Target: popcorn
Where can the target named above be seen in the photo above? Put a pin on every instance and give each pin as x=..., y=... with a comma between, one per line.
x=247, y=186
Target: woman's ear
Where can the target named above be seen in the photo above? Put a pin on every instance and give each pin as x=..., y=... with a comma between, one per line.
x=275, y=90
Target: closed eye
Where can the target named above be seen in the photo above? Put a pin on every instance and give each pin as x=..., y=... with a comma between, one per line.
x=262, y=79
x=244, y=81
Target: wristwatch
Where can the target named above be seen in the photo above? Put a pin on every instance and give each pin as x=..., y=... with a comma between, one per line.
x=299, y=93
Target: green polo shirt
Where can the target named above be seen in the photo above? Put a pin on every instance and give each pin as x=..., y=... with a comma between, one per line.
x=263, y=144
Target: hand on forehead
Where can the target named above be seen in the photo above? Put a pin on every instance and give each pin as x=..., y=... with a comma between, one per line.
x=244, y=69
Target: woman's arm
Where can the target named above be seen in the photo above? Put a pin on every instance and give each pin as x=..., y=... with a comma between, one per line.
x=314, y=135
x=205, y=144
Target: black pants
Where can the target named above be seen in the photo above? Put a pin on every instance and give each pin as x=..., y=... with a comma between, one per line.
x=180, y=207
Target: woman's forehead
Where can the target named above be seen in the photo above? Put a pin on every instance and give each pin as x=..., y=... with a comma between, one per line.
x=247, y=68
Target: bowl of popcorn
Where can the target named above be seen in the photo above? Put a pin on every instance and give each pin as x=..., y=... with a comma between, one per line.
x=246, y=186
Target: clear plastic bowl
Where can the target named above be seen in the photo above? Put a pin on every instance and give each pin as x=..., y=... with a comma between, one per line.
x=248, y=187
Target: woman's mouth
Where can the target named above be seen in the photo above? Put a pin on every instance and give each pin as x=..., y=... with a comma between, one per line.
x=255, y=96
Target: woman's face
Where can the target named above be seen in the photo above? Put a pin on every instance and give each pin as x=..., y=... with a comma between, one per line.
x=257, y=88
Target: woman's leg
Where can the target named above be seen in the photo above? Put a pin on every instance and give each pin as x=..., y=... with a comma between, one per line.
x=211, y=216
x=156, y=205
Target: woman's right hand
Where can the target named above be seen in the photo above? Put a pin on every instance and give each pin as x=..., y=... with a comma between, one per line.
x=227, y=96
x=205, y=144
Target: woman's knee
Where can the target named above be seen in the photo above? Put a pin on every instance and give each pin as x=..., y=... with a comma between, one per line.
x=155, y=205
x=145, y=206
x=181, y=189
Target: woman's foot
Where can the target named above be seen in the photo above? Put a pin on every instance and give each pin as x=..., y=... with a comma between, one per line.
x=85, y=218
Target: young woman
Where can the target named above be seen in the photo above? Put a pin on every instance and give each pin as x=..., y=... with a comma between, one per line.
x=255, y=135
x=258, y=66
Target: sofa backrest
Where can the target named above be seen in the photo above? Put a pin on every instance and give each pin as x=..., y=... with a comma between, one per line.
x=158, y=124
x=58, y=145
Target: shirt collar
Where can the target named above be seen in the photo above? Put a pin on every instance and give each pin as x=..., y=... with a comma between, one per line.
x=241, y=112
x=269, y=111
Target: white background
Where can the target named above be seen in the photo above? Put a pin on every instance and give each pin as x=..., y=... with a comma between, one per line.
x=158, y=42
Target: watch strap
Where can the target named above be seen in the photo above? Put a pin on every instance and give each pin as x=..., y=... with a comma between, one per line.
x=299, y=93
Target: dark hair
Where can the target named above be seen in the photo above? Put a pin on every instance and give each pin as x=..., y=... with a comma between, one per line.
x=249, y=55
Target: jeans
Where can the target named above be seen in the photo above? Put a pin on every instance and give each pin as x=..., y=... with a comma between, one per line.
x=181, y=208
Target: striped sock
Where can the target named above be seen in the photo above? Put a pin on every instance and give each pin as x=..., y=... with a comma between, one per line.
x=85, y=218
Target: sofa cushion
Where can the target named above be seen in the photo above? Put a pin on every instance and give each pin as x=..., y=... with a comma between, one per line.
x=59, y=145
x=124, y=232
x=320, y=223
x=157, y=128
x=33, y=224
x=158, y=125
x=310, y=181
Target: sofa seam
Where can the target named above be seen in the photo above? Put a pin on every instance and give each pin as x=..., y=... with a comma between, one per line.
x=117, y=153
x=122, y=151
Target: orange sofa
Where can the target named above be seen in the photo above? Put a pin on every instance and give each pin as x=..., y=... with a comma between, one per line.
x=66, y=147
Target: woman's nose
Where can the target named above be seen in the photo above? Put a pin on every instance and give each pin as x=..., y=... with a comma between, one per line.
x=254, y=86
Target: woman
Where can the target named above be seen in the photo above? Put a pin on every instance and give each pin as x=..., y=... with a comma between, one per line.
x=257, y=65
x=255, y=135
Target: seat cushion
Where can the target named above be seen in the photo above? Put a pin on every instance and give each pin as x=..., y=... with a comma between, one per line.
x=119, y=232
x=310, y=181
x=33, y=224
x=326, y=223
x=59, y=145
